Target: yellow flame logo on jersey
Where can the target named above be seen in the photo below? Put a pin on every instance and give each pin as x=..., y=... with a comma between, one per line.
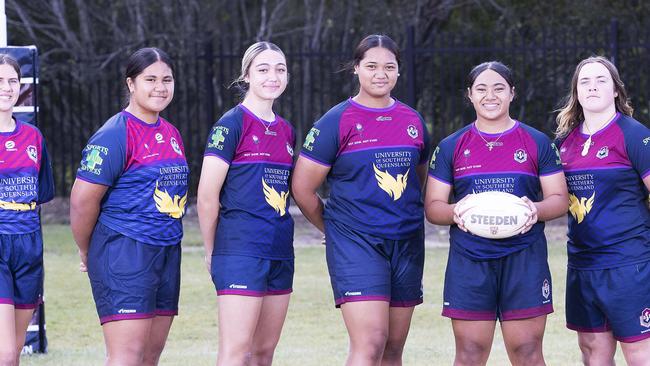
x=17, y=206
x=276, y=200
x=175, y=207
x=580, y=207
x=393, y=186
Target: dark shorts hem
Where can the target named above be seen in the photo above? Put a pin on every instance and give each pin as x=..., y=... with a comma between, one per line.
x=116, y=317
x=405, y=304
x=253, y=293
x=161, y=312
x=342, y=300
x=469, y=314
x=527, y=313
x=633, y=339
x=601, y=329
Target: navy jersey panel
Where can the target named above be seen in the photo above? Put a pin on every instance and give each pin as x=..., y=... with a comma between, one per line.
x=25, y=179
x=373, y=154
x=254, y=218
x=609, y=220
x=145, y=169
x=519, y=157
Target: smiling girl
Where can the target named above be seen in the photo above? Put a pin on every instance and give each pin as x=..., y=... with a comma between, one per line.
x=27, y=182
x=489, y=279
x=243, y=205
x=373, y=150
x=126, y=207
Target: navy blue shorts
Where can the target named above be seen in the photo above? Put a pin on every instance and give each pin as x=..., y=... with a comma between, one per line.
x=616, y=299
x=364, y=267
x=21, y=269
x=130, y=279
x=251, y=276
x=517, y=286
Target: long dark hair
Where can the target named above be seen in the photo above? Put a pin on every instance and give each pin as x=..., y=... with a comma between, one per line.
x=140, y=60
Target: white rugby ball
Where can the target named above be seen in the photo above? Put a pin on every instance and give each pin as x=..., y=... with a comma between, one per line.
x=493, y=214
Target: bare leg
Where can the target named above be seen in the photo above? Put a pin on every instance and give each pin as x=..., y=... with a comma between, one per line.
x=473, y=341
x=523, y=339
x=160, y=327
x=597, y=349
x=126, y=341
x=238, y=317
x=636, y=354
x=269, y=329
x=367, y=323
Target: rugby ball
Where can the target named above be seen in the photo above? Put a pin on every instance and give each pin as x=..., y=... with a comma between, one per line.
x=493, y=214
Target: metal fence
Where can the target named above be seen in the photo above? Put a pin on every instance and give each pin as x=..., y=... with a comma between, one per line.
x=432, y=81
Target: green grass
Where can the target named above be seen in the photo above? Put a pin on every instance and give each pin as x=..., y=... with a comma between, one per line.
x=313, y=334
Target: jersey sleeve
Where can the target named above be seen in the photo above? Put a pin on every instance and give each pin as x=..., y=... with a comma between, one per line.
x=104, y=157
x=441, y=163
x=548, y=157
x=322, y=141
x=637, y=143
x=45, y=177
x=224, y=138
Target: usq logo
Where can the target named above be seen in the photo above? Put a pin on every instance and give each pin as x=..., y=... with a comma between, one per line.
x=645, y=318
x=521, y=156
x=32, y=153
x=546, y=289
x=175, y=146
x=412, y=131
x=10, y=145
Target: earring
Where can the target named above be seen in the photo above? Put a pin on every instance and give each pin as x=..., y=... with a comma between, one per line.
x=355, y=73
x=398, y=74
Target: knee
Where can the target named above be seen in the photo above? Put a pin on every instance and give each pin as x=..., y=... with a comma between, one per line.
x=127, y=356
x=262, y=356
x=472, y=353
x=9, y=357
x=371, y=344
x=596, y=354
x=527, y=353
x=393, y=351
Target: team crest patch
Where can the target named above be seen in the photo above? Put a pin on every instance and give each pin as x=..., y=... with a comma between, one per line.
x=359, y=127
x=412, y=131
x=175, y=146
x=256, y=140
x=32, y=153
x=546, y=289
x=521, y=156
x=645, y=318
x=289, y=149
x=159, y=138
x=603, y=152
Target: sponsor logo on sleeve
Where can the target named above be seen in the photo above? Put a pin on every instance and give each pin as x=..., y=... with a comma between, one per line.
x=646, y=141
x=94, y=158
x=218, y=137
x=432, y=164
x=311, y=137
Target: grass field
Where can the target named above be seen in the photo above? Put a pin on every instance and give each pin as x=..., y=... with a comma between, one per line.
x=313, y=334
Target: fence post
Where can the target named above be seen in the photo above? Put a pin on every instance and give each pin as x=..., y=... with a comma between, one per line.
x=209, y=82
x=613, y=41
x=410, y=66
